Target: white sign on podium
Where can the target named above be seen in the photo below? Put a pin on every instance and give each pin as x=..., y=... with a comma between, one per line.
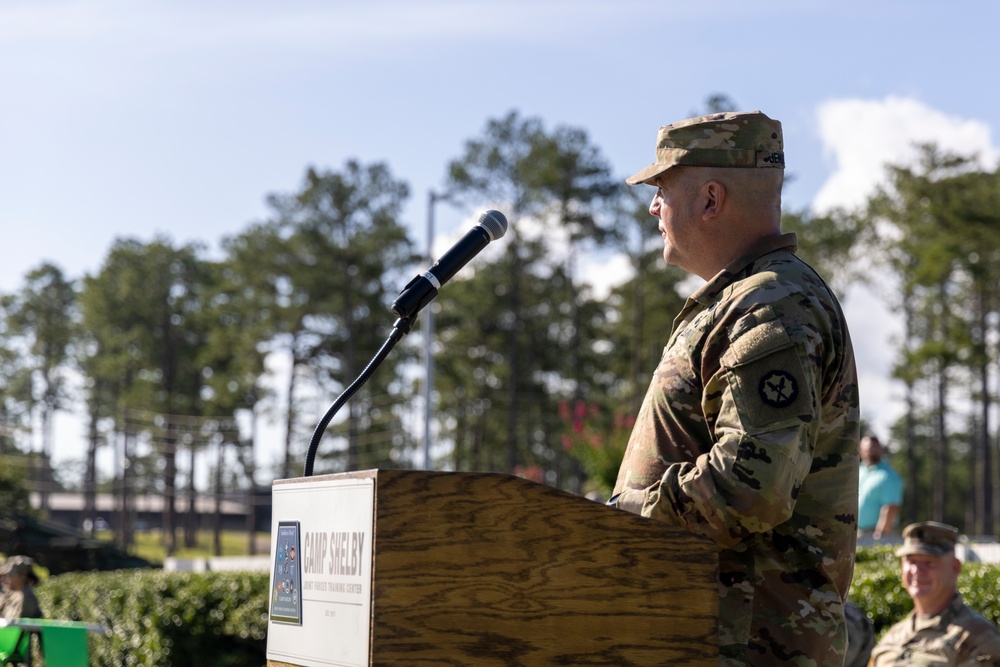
x=320, y=594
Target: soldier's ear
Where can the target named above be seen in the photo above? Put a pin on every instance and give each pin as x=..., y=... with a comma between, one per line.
x=713, y=195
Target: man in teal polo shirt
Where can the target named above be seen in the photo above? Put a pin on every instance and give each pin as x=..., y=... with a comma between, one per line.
x=880, y=491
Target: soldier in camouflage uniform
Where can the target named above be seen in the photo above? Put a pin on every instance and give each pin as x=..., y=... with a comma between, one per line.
x=940, y=630
x=748, y=433
x=18, y=600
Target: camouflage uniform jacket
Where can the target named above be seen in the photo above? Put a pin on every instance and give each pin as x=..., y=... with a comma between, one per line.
x=19, y=604
x=748, y=435
x=957, y=637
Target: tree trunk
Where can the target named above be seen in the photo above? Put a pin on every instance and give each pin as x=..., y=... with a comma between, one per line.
x=940, y=493
x=191, y=519
x=984, y=468
x=217, y=516
x=639, y=365
x=170, y=484
x=128, y=446
x=90, y=481
x=984, y=504
x=514, y=359
x=286, y=467
x=119, y=491
x=912, y=460
x=46, y=464
x=251, y=522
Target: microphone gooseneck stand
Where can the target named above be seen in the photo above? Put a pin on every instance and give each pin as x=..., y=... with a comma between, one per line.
x=418, y=293
x=400, y=328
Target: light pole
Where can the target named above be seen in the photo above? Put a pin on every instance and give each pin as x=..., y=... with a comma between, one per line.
x=427, y=329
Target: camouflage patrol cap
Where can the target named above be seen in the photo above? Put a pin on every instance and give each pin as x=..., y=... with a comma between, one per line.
x=20, y=565
x=929, y=538
x=733, y=139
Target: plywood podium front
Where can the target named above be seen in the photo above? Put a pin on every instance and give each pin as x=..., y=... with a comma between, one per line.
x=481, y=569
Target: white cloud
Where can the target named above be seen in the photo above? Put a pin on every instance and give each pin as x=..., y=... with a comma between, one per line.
x=604, y=272
x=860, y=137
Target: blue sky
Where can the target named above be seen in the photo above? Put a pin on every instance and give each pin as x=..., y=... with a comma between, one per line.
x=128, y=119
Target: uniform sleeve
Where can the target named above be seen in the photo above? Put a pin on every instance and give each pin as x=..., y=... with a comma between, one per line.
x=979, y=644
x=760, y=401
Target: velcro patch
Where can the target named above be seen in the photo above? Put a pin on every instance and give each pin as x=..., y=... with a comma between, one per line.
x=767, y=378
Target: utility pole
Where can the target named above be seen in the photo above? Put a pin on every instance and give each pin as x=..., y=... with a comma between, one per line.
x=427, y=330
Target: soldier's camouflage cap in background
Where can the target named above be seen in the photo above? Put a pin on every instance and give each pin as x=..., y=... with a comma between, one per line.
x=732, y=139
x=19, y=564
x=929, y=538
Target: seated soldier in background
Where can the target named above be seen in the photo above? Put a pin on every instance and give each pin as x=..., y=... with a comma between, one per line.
x=860, y=636
x=19, y=580
x=940, y=630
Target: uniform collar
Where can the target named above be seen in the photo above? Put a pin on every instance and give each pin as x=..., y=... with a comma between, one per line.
x=707, y=292
x=942, y=618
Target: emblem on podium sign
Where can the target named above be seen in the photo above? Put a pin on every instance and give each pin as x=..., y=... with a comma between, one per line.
x=286, y=575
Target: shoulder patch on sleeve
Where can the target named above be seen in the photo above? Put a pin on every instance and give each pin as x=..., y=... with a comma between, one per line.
x=778, y=388
x=767, y=377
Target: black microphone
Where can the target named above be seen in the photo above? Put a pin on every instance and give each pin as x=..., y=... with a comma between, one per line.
x=421, y=290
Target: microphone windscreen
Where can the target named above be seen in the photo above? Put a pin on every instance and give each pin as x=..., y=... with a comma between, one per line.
x=495, y=224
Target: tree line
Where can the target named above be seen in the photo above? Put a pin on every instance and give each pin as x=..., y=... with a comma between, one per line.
x=166, y=349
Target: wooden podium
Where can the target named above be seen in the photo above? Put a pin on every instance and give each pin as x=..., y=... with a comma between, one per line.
x=485, y=569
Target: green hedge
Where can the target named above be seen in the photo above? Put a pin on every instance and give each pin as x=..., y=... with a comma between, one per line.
x=177, y=619
x=877, y=587
x=183, y=619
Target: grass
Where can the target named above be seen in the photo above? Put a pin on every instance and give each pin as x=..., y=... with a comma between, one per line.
x=149, y=544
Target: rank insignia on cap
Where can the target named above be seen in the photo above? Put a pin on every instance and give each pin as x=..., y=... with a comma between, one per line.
x=778, y=389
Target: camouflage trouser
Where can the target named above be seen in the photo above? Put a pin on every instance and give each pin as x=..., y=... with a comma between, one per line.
x=860, y=636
